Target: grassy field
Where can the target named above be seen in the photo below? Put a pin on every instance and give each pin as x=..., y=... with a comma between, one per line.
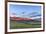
x=24, y=24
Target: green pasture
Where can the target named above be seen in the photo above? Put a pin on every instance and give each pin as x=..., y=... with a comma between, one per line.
x=24, y=24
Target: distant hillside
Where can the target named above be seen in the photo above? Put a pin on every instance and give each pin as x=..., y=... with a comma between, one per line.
x=24, y=19
x=18, y=18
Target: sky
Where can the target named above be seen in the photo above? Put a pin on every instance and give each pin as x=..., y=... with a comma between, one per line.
x=25, y=10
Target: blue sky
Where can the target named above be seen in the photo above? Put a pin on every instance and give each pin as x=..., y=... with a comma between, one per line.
x=28, y=10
